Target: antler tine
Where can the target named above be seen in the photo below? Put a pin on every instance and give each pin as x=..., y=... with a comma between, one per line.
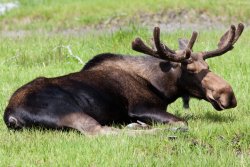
x=162, y=51
x=239, y=31
x=225, y=44
x=192, y=40
x=167, y=53
x=139, y=46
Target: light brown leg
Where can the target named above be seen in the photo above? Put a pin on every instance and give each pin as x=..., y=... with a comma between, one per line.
x=85, y=124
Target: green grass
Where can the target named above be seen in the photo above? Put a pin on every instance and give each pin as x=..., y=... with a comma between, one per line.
x=214, y=138
x=64, y=14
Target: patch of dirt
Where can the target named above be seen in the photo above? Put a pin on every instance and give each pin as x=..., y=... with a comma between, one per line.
x=170, y=20
x=167, y=20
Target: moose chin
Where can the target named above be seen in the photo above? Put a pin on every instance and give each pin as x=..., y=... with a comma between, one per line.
x=113, y=88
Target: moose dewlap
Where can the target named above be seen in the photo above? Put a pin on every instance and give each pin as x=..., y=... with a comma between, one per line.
x=114, y=88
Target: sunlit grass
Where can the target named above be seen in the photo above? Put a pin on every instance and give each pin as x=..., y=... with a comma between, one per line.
x=67, y=14
x=214, y=138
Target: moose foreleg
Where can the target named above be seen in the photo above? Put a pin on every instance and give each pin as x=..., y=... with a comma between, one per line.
x=154, y=115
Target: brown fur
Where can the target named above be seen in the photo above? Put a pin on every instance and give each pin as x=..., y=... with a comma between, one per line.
x=19, y=97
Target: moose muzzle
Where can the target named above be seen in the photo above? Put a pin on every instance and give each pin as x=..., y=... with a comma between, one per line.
x=218, y=92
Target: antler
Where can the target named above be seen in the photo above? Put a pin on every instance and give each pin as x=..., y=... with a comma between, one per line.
x=226, y=42
x=162, y=51
x=192, y=40
x=185, y=43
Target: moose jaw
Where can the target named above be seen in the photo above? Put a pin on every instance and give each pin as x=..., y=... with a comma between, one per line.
x=114, y=88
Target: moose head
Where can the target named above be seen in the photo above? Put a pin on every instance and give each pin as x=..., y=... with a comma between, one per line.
x=195, y=77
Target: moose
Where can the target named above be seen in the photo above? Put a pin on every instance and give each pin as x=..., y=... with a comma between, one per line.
x=121, y=89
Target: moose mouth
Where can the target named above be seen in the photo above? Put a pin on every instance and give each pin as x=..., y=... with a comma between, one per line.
x=216, y=104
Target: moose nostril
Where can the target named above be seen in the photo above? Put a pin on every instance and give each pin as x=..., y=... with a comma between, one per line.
x=233, y=102
x=228, y=100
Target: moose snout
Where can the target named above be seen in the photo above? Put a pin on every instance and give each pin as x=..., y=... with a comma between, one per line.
x=226, y=98
x=218, y=92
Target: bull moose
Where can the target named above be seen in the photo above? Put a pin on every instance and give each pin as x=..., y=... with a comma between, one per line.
x=113, y=88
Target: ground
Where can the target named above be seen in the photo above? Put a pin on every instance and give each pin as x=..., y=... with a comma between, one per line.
x=52, y=38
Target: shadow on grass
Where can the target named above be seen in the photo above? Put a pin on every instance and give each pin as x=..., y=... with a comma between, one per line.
x=213, y=117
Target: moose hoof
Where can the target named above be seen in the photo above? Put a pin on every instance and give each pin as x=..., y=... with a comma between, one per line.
x=109, y=131
x=138, y=125
x=133, y=126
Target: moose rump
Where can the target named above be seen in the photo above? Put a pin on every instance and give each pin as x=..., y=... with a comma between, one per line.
x=50, y=102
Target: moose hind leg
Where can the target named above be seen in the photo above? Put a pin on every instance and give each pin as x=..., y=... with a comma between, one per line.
x=17, y=119
x=85, y=124
x=89, y=126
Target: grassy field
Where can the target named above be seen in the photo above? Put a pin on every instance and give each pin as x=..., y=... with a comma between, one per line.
x=214, y=138
x=58, y=15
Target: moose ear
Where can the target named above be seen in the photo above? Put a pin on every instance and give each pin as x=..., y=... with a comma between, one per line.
x=182, y=43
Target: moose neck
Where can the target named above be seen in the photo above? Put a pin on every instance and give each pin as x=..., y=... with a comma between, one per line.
x=166, y=80
x=162, y=75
